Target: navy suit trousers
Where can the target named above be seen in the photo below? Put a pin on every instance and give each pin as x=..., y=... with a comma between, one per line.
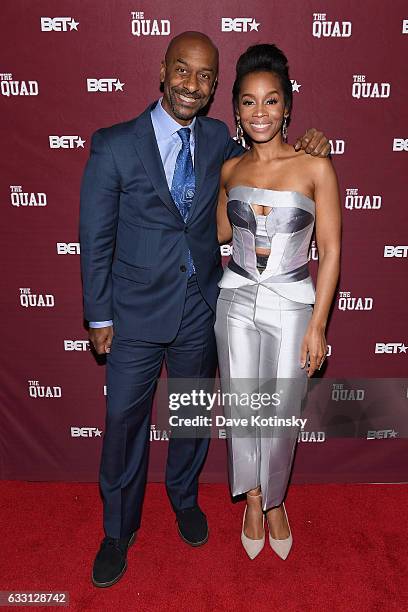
x=133, y=368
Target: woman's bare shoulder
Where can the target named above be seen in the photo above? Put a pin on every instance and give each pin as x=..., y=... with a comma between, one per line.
x=321, y=167
x=318, y=167
x=229, y=166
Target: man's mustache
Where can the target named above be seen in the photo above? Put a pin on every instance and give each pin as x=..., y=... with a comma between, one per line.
x=187, y=94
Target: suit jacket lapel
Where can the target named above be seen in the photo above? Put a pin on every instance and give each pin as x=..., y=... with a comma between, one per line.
x=200, y=163
x=148, y=151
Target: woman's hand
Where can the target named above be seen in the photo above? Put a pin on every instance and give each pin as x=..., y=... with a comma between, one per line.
x=315, y=344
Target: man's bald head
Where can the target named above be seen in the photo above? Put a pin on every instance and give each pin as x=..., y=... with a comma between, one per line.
x=193, y=38
x=189, y=74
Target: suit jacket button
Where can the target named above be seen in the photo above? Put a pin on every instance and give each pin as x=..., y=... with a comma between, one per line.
x=183, y=268
x=186, y=230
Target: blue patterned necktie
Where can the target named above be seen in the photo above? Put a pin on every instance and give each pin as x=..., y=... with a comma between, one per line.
x=183, y=184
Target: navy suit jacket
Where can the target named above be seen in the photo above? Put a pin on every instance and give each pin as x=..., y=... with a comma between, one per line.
x=134, y=242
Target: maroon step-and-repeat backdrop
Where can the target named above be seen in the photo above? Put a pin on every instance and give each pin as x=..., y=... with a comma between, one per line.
x=68, y=68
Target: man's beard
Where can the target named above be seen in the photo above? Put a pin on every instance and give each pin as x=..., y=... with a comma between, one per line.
x=182, y=112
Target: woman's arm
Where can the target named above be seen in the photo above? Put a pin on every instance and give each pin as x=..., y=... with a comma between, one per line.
x=224, y=228
x=328, y=239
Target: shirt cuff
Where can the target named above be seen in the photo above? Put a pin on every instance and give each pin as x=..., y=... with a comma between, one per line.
x=100, y=323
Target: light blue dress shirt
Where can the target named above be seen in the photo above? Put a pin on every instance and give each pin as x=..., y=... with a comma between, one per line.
x=169, y=143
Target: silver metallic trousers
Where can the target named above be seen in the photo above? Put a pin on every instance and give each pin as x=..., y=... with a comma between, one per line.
x=259, y=335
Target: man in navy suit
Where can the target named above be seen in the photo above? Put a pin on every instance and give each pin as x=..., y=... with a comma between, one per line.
x=150, y=263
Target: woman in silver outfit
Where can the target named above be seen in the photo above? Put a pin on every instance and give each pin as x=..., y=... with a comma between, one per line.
x=270, y=322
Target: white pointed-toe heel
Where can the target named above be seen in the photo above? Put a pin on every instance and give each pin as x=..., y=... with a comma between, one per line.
x=282, y=547
x=252, y=547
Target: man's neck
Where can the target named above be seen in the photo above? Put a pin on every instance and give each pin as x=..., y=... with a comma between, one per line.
x=166, y=107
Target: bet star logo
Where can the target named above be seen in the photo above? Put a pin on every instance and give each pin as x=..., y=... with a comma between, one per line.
x=58, y=24
x=66, y=142
x=104, y=85
x=391, y=348
x=239, y=24
x=295, y=86
x=86, y=432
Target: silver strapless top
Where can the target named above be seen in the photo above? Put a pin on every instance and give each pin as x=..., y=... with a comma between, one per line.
x=286, y=230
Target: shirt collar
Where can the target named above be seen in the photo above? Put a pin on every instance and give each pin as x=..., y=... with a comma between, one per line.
x=166, y=125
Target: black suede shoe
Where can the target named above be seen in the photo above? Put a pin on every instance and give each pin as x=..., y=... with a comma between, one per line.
x=110, y=563
x=192, y=526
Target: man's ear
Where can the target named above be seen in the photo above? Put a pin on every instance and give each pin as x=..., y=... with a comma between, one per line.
x=162, y=71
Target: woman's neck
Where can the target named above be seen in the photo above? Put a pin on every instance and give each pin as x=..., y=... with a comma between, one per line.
x=267, y=151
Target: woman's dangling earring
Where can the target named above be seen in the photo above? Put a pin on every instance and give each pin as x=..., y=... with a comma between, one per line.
x=285, y=129
x=240, y=134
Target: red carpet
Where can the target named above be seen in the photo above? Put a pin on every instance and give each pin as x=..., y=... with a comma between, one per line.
x=349, y=552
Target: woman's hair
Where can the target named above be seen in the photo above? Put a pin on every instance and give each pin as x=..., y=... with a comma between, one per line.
x=263, y=58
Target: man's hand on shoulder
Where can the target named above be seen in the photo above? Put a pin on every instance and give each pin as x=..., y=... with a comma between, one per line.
x=313, y=142
x=101, y=338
